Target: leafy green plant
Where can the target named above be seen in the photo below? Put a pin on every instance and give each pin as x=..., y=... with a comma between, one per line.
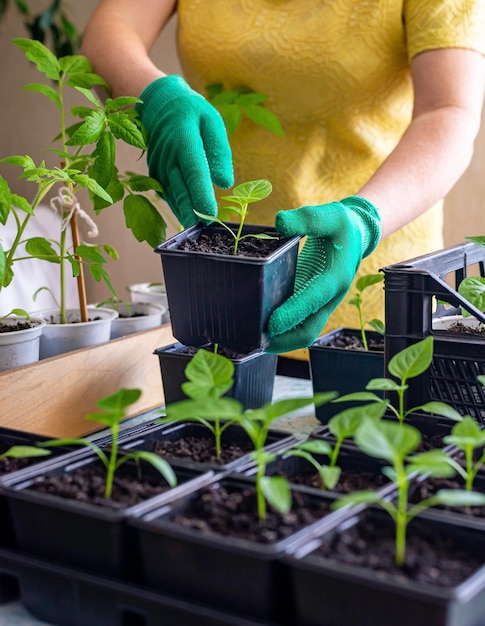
x=409, y=363
x=210, y=376
x=468, y=437
x=397, y=444
x=242, y=196
x=233, y=104
x=357, y=300
x=342, y=426
x=472, y=288
x=113, y=412
x=87, y=156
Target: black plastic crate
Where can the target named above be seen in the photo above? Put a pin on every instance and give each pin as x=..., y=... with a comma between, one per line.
x=415, y=291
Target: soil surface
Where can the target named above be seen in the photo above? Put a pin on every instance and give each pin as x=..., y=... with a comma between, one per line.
x=352, y=342
x=431, y=557
x=232, y=512
x=421, y=490
x=20, y=325
x=202, y=449
x=459, y=327
x=222, y=243
x=87, y=484
x=229, y=354
x=350, y=480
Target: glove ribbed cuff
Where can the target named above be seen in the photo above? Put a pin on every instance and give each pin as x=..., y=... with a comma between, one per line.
x=371, y=227
x=159, y=93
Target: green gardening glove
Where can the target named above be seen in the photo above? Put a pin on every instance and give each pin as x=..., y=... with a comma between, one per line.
x=339, y=236
x=187, y=148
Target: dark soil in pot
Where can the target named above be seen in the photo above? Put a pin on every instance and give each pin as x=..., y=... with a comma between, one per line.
x=350, y=480
x=202, y=450
x=460, y=327
x=428, y=487
x=352, y=342
x=232, y=512
x=20, y=325
x=87, y=484
x=431, y=557
x=222, y=243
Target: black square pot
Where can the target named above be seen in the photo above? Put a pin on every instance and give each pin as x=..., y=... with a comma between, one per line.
x=225, y=299
x=342, y=370
x=254, y=375
x=334, y=593
x=152, y=436
x=226, y=572
x=80, y=533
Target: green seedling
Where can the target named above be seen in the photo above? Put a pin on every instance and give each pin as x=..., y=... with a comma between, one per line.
x=86, y=160
x=342, y=426
x=397, y=444
x=210, y=376
x=409, y=363
x=357, y=300
x=468, y=437
x=274, y=490
x=113, y=412
x=242, y=196
x=233, y=104
x=472, y=288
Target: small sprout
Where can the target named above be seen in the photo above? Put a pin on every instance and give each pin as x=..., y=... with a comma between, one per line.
x=357, y=300
x=113, y=412
x=242, y=195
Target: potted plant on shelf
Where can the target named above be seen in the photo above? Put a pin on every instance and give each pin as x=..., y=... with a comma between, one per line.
x=346, y=358
x=87, y=161
x=133, y=316
x=224, y=280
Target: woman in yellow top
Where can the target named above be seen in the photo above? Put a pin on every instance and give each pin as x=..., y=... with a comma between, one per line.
x=380, y=103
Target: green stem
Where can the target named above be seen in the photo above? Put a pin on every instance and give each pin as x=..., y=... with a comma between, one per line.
x=401, y=514
x=217, y=436
x=362, y=330
x=259, y=493
x=239, y=230
x=112, y=462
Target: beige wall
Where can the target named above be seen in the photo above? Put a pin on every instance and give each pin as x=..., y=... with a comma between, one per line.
x=29, y=122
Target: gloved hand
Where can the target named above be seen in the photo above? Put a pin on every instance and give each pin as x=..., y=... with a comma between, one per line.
x=339, y=236
x=187, y=148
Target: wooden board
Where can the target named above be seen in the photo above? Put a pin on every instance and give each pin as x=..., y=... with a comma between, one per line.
x=51, y=397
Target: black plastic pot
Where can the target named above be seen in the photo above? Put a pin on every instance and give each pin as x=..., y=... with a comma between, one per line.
x=74, y=597
x=254, y=375
x=228, y=573
x=147, y=437
x=342, y=370
x=225, y=299
x=73, y=532
x=333, y=593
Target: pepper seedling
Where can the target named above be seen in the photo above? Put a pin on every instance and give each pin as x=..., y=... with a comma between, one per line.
x=409, y=363
x=472, y=288
x=113, y=411
x=357, y=300
x=397, y=444
x=242, y=196
x=468, y=437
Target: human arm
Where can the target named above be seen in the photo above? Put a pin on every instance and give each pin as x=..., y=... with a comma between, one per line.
x=187, y=146
x=431, y=156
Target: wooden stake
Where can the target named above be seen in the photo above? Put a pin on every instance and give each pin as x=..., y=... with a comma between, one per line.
x=81, y=283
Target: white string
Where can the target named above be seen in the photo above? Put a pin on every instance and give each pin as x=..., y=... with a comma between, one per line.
x=66, y=201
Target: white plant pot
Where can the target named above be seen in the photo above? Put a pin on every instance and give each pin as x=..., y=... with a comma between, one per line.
x=146, y=315
x=150, y=292
x=60, y=338
x=20, y=347
x=444, y=323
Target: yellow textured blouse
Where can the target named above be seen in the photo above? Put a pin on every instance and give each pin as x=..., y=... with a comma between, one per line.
x=338, y=77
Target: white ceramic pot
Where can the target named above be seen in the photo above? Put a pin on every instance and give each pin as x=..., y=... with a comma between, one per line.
x=150, y=292
x=20, y=347
x=145, y=315
x=60, y=338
